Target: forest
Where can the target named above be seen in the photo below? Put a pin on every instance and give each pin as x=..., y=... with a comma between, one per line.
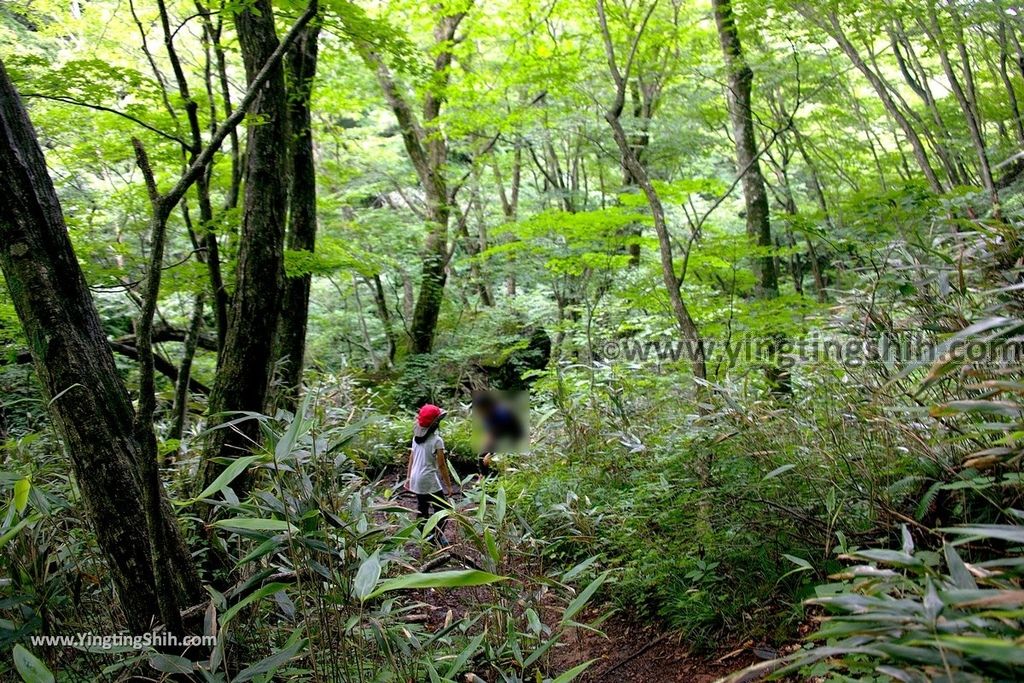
x=511, y=341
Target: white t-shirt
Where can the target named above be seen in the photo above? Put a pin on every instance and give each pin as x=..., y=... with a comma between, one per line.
x=424, y=477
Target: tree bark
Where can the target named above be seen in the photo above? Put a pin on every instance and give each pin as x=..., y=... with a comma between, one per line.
x=243, y=377
x=179, y=411
x=166, y=543
x=755, y=196
x=510, y=206
x=831, y=25
x=964, y=92
x=385, y=317
x=291, y=328
x=672, y=285
x=427, y=149
x=1004, y=75
x=88, y=402
x=918, y=79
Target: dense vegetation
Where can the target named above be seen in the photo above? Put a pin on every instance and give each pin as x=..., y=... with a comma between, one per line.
x=756, y=267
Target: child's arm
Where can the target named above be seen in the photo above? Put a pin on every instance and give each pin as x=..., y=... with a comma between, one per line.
x=442, y=467
x=408, y=473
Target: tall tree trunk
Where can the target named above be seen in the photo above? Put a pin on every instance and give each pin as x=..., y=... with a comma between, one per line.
x=427, y=150
x=433, y=275
x=1004, y=75
x=643, y=111
x=830, y=23
x=919, y=81
x=165, y=541
x=814, y=184
x=243, y=377
x=668, y=272
x=510, y=205
x=385, y=317
x=964, y=92
x=291, y=327
x=88, y=402
x=755, y=196
x=182, y=395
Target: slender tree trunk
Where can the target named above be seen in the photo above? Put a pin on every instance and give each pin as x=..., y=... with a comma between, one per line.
x=291, y=329
x=88, y=402
x=408, y=299
x=1004, y=75
x=428, y=154
x=243, y=377
x=385, y=317
x=918, y=80
x=510, y=205
x=162, y=547
x=672, y=285
x=643, y=111
x=831, y=24
x=755, y=196
x=211, y=257
x=432, y=279
x=964, y=93
x=182, y=396
x=478, y=245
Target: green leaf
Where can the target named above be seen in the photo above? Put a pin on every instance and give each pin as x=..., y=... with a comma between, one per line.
x=254, y=524
x=434, y=520
x=1005, y=652
x=30, y=667
x=21, y=490
x=500, y=505
x=579, y=569
x=802, y=565
x=958, y=571
x=367, y=576
x=448, y=579
x=581, y=600
x=170, y=664
x=13, y=531
x=226, y=477
x=572, y=673
x=1005, y=532
x=464, y=656
x=268, y=546
x=492, y=546
x=263, y=592
x=777, y=471
x=296, y=428
x=274, y=661
x=534, y=621
x=895, y=557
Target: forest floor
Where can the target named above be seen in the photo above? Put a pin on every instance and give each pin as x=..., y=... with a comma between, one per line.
x=624, y=649
x=629, y=651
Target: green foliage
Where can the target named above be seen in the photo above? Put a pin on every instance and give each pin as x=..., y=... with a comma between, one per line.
x=712, y=508
x=921, y=615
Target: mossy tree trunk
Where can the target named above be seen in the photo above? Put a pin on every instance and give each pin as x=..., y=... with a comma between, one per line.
x=291, y=327
x=243, y=377
x=87, y=400
x=755, y=195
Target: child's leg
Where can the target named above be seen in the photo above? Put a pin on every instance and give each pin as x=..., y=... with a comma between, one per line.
x=423, y=505
x=439, y=502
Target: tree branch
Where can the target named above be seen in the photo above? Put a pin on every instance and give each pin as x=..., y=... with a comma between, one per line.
x=109, y=110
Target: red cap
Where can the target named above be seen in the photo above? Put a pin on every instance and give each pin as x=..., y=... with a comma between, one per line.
x=428, y=415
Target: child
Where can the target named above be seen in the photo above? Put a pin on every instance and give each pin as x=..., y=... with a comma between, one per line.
x=428, y=470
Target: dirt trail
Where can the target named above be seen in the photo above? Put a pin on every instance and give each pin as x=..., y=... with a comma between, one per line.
x=628, y=651
x=625, y=651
